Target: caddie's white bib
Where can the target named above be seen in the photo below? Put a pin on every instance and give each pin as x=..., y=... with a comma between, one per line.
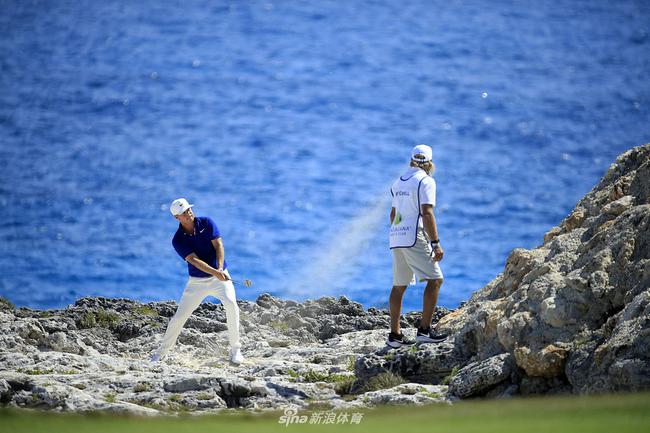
x=406, y=200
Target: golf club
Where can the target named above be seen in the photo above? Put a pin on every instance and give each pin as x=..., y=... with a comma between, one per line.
x=246, y=283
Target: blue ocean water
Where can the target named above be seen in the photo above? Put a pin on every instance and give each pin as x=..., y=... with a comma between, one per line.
x=286, y=121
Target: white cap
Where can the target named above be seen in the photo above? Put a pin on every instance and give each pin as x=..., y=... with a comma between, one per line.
x=422, y=149
x=179, y=206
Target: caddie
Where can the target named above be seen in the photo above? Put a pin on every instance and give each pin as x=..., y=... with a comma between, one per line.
x=415, y=245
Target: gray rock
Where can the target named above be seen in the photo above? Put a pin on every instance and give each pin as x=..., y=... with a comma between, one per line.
x=267, y=301
x=479, y=377
x=5, y=391
x=427, y=363
x=60, y=342
x=543, y=386
x=573, y=312
x=185, y=384
x=405, y=394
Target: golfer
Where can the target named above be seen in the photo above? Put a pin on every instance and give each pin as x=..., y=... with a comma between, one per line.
x=199, y=243
x=415, y=245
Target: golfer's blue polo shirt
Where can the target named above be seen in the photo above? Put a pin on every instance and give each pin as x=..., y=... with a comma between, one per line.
x=205, y=230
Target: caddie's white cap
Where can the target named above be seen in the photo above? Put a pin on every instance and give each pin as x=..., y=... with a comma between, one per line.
x=422, y=149
x=179, y=206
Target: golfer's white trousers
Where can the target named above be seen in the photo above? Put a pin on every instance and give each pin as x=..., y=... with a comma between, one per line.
x=196, y=290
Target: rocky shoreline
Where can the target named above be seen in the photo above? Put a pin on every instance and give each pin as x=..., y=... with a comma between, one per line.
x=572, y=316
x=94, y=355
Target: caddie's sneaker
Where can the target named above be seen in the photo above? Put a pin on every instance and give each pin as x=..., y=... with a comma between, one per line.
x=398, y=340
x=236, y=356
x=429, y=336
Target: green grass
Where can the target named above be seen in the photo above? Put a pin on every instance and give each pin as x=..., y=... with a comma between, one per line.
x=614, y=413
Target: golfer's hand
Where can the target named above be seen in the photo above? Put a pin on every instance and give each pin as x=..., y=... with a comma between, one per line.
x=221, y=275
x=438, y=252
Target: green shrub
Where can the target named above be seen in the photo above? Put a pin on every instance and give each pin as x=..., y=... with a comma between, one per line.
x=101, y=318
x=319, y=406
x=107, y=319
x=344, y=387
x=7, y=303
x=454, y=372
x=412, y=391
x=352, y=360
x=142, y=387
x=145, y=310
x=279, y=325
x=382, y=381
x=87, y=320
x=175, y=398
x=312, y=376
x=35, y=371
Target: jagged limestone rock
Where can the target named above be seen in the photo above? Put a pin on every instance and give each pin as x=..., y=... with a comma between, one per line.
x=570, y=316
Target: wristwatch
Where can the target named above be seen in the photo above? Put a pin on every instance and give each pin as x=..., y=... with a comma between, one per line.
x=435, y=243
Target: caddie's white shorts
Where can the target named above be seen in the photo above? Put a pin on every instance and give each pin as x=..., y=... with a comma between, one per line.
x=416, y=260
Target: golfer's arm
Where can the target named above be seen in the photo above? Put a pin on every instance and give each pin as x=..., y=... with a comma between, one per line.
x=392, y=215
x=194, y=260
x=218, y=247
x=429, y=222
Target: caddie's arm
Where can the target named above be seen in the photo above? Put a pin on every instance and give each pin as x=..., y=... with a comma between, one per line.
x=430, y=227
x=194, y=260
x=392, y=215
